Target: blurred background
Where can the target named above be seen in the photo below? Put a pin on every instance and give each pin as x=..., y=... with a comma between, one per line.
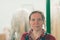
x=14, y=17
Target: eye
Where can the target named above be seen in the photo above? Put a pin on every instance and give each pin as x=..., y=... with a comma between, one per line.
x=33, y=19
x=39, y=19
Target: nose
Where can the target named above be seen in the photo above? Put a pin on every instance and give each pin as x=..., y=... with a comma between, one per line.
x=36, y=22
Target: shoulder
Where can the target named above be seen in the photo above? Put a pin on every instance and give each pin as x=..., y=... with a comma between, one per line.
x=50, y=37
x=23, y=36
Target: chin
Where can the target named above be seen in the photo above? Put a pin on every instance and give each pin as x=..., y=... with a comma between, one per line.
x=37, y=29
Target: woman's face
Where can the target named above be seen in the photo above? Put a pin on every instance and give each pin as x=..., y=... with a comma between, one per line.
x=36, y=21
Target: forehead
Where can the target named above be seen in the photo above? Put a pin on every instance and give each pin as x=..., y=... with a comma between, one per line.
x=36, y=15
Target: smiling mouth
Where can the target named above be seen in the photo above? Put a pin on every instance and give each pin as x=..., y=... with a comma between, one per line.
x=37, y=26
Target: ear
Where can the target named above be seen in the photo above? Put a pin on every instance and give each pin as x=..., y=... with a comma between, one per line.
x=29, y=23
x=44, y=22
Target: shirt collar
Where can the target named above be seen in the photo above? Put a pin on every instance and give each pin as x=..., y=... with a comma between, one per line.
x=42, y=35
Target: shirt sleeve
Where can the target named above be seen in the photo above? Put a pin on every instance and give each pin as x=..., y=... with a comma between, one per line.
x=50, y=37
x=23, y=36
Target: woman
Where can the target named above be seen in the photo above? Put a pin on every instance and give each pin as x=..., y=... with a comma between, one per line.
x=36, y=21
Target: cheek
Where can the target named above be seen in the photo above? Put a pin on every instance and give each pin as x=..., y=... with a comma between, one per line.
x=31, y=23
x=41, y=23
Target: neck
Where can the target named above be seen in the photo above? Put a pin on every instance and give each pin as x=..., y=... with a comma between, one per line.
x=37, y=33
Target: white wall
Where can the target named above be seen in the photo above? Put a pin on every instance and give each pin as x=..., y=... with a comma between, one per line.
x=8, y=8
x=55, y=18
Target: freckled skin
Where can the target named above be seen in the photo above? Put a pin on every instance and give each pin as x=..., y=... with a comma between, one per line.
x=36, y=21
